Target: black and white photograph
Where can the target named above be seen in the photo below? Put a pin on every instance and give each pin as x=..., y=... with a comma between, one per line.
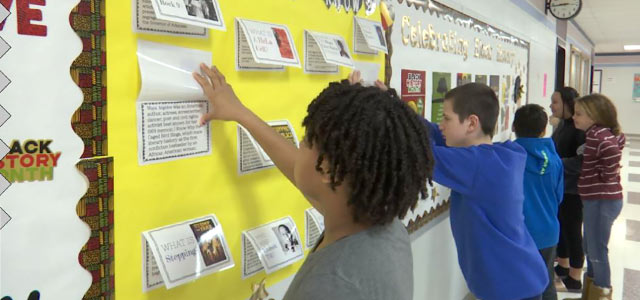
x=288, y=240
x=343, y=50
x=203, y=13
x=203, y=9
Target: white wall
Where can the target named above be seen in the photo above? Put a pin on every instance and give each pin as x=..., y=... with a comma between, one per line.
x=617, y=84
x=435, y=262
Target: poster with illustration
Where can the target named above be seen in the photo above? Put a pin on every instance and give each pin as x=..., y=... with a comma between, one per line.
x=441, y=85
x=481, y=79
x=463, y=78
x=636, y=87
x=518, y=89
x=264, y=46
x=494, y=84
x=413, y=90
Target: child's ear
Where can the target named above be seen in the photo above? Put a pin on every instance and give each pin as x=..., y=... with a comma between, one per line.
x=324, y=173
x=474, y=123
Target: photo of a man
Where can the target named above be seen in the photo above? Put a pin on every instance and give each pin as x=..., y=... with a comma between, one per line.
x=203, y=9
x=343, y=49
x=381, y=36
x=287, y=239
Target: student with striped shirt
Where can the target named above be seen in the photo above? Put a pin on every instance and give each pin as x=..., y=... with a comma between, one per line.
x=599, y=187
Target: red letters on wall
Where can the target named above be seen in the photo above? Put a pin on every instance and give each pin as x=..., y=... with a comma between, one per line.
x=26, y=14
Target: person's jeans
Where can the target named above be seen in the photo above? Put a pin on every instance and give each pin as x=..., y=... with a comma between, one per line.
x=598, y=219
x=548, y=254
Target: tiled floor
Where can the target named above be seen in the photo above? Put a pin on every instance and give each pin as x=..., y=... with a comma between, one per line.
x=624, y=246
x=633, y=198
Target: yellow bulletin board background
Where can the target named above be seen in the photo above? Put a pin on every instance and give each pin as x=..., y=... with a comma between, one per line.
x=156, y=195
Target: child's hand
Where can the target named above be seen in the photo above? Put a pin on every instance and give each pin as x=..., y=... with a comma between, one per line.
x=381, y=85
x=225, y=105
x=355, y=77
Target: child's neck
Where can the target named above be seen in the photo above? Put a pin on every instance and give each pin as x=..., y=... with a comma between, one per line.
x=338, y=227
x=479, y=140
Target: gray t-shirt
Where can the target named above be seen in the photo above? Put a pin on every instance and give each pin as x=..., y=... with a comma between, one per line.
x=372, y=264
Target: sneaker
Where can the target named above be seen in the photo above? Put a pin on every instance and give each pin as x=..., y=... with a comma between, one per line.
x=561, y=271
x=572, y=285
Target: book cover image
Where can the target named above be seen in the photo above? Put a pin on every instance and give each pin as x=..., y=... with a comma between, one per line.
x=284, y=45
x=441, y=85
x=413, y=89
x=209, y=242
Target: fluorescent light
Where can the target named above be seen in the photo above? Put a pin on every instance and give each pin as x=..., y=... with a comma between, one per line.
x=631, y=47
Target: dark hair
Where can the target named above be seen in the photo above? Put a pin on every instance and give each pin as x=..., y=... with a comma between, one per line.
x=475, y=99
x=285, y=228
x=530, y=121
x=376, y=144
x=601, y=110
x=568, y=96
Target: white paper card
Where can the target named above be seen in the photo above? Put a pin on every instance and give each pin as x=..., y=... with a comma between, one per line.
x=244, y=56
x=368, y=36
x=151, y=277
x=314, y=225
x=166, y=72
x=277, y=245
x=251, y=156
x=314, y=61
x=268, y=43
x=184, y=252
x=251, y=263
x=334, y=48
x=144, y=20
x=368, y=71
x=170, y=104
x=205, y=13
x=170, y=130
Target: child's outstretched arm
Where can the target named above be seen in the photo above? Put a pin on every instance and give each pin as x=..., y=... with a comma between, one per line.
x=455, y=168
x=226, y=106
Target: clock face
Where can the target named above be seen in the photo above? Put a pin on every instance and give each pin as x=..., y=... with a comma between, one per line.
x=565, y=9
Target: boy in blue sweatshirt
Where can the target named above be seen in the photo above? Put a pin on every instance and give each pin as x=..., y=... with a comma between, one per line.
x=496, y=253
x=543, y=185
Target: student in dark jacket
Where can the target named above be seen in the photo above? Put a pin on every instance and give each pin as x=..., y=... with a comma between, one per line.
x=567, y=140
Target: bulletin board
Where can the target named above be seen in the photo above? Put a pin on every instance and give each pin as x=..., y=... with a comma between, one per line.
x=433, y=49
x=156, y=195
